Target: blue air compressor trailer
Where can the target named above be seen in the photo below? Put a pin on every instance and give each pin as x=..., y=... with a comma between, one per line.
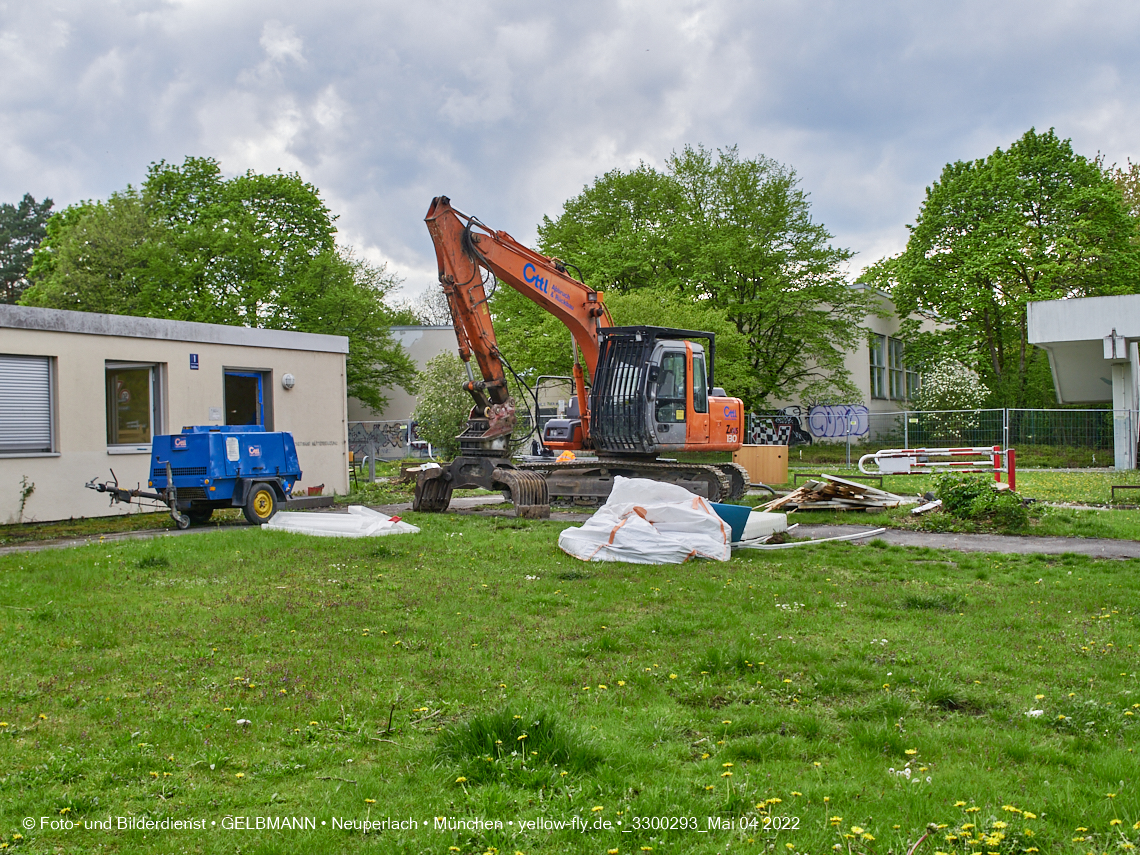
x=209, y=466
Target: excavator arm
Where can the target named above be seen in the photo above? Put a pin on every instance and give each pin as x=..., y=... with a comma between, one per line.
x=466, y=250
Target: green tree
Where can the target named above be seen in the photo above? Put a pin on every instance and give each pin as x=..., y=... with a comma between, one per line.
x=254, y=250
x=442, y=408
x=732, y=236
x=1034, y=222
x=22, y=227
x=1128, y=180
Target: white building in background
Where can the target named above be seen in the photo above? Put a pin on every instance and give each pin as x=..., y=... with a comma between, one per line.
x=83, y=393
x=1092, y=346
x=421, y=343
x=878, y=369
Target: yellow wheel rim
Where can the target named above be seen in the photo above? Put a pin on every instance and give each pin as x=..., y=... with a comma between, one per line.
x=262, y=504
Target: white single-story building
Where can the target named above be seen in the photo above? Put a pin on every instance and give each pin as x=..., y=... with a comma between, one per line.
x=1092, y=347
x=83, y=393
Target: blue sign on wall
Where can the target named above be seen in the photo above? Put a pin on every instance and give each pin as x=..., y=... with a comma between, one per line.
x=193, y=362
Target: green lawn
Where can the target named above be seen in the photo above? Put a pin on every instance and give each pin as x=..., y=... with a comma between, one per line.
x=799, y=700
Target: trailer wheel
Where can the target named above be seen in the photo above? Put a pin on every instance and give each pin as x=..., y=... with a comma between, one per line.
x=261, y=504
x=198, y=516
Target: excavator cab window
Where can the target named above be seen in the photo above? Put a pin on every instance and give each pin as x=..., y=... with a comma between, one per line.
x=700, y=384
x=671, y=388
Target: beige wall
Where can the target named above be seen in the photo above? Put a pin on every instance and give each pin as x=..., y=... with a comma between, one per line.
x=314, y=411
x=421, y=343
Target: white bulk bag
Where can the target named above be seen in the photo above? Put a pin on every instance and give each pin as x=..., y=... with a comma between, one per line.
x=647, y=522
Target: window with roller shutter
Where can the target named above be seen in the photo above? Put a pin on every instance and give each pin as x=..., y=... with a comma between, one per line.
x=25, y=405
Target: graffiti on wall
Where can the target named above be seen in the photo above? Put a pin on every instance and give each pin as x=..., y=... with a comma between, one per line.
x=387, y=439
x=783, y=427
x=837, y=421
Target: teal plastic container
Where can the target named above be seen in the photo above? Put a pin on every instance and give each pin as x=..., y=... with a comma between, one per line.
x=736, y=516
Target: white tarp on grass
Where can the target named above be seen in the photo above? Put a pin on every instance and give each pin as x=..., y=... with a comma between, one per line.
x=358, y=522
x=647, y=522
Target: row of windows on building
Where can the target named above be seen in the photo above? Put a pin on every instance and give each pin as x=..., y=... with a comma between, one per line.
x=890, y=376
x=136, y=394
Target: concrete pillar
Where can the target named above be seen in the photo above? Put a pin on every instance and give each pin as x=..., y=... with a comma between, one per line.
x=1123, y=418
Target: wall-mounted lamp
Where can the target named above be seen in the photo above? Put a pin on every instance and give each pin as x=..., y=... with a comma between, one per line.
x=288, y=381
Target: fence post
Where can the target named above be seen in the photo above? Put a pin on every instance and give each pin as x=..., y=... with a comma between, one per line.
x=1005, y=427
x=371, y=461
x=906, y=429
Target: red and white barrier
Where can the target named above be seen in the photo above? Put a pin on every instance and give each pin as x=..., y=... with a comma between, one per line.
x=916, y=461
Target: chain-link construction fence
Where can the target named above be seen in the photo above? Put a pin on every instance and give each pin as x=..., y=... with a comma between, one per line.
x=1052, y=438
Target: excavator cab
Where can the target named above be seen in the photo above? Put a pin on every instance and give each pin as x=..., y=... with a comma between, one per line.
x=652, y=393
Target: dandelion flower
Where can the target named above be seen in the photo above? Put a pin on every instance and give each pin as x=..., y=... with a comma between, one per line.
x=672, y=677
x=910, y=752
x=595, y=808
x=1114, y=822
x=959, y=804
x=370, y=801
x=1028, y=815
x=461, y=780
x=240, y=775
x=726, y=774
x=621, y=682
x=726, y=765
x=794, y=793
x=705, y=756
x=856, y=829
x=710, y=787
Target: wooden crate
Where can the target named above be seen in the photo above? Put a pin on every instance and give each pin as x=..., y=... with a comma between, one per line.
x=766, y=464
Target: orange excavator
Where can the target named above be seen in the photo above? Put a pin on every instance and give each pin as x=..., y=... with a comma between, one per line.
x=649, y=392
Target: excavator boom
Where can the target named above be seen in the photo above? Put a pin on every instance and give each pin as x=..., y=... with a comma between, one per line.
x=464, y=249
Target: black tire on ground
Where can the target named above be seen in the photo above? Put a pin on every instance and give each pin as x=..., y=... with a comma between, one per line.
x=261, y=504
x=198, y=516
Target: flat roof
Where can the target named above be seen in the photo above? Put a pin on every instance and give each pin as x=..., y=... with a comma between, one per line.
x=127, y=326
x=1083, y=319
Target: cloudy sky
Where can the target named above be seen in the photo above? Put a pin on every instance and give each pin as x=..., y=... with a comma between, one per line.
x=510, y=107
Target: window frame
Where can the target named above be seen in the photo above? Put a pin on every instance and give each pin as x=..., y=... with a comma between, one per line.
x=155, y=387
x=878, y=373
x=896, y=369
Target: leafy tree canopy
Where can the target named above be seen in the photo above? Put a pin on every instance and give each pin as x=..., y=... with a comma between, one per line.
x=254, y=250
x=22, y=227
x=730, y=238
x=443, y=406
x=1034, y=222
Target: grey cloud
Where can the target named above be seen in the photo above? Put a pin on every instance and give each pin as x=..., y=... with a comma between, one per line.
x=511, y=107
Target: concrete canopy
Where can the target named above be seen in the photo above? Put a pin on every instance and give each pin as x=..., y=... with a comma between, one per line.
x=1092, y=347
x=1073, y=332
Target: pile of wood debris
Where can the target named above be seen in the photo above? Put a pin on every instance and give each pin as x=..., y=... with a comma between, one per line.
x=835, y=494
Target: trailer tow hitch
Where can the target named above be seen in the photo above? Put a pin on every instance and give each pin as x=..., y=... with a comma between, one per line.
x=168, y=497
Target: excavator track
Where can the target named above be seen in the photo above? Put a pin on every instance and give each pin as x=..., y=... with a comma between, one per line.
x=592, y=480
x=739, y=477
